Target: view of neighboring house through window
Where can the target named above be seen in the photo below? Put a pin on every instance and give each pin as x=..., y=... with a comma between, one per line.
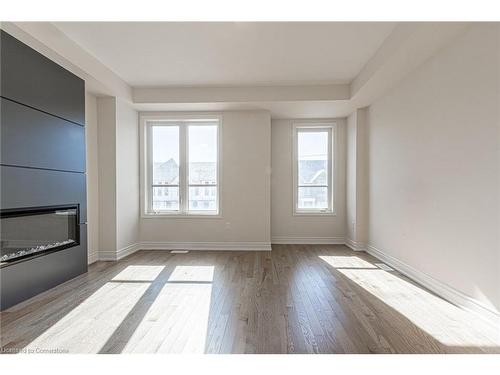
x=165, y=171
x=202, y=155
x=183, y=166
x=313, y=168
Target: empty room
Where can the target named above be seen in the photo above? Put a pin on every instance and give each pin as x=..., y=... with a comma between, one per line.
x=250, y=187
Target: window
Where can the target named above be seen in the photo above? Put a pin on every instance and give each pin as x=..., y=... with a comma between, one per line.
x=313, y=168
x=182, y=166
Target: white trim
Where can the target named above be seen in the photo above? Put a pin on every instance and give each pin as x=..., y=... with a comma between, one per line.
x=126, y=251
x=311, y=125
x=145, y=165
x=355, y=245
x=181, y=216
x=314, y=213
x=92, y=257
x=445, y=291
x=120, y=254
x=286, y=240
x=107, y=255
x=235, y=246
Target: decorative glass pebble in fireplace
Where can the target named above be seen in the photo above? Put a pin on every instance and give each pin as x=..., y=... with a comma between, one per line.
x=32, y=232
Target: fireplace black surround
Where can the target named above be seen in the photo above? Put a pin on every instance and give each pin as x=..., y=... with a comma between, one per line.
x=32, y=232
x=43, y=232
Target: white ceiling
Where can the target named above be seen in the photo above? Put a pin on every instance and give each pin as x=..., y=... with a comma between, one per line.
x=233, y=53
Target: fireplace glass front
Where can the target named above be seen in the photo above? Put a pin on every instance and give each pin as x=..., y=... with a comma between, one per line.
x=33, y=232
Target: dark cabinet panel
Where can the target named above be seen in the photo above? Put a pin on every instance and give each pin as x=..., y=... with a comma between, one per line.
x=26, y=187
x=31, y=138
x=23, y=280
x=32, y=79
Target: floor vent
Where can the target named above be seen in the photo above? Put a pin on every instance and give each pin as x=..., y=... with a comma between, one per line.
x=179, y=252
x=384, y=267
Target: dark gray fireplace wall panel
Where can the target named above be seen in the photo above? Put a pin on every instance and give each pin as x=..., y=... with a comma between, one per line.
x=31, y=138
x=23, y=280
x=26, y=187
x=42, y=159
x=30, y=78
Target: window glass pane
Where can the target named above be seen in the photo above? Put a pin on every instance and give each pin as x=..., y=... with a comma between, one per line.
x=203, y=198
x=202, y=151
x=312, y=157
x=165, y=155
x=313, y=198
x=166, y=198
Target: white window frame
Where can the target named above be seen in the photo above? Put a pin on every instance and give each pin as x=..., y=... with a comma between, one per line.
x=331, y=127
x=181, y=120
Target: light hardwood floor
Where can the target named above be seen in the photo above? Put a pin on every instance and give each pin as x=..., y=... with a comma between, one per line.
x=295, y=299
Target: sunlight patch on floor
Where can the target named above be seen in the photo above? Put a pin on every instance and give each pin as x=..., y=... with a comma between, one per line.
x=87, y=327
x=424, y=309
x=346, y=262
x=173, y=320
x=192, y=273
x=177, y=321
x=139, y=273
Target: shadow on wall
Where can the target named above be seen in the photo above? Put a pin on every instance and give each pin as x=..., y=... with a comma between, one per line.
x=325, y=299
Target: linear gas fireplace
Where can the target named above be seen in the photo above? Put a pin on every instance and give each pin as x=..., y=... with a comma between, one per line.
x=33, y=232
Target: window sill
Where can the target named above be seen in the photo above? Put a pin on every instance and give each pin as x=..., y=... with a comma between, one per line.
x=181, y=216
x=304, y=213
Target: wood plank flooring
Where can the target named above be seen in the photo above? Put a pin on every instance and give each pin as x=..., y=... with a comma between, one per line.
x=295, y=299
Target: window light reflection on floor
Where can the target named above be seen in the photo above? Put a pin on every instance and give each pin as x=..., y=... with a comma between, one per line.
x=178, y=318
x=192, y=273
x=174, y=318
x=87, y=327
x=413, y=302
x=139, y=273
x=347, y=262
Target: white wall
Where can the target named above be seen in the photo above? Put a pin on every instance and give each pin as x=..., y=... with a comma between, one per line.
x=106, y=119
x=357, y=180
x=92, y=177
x=362, y=181
x=285, y=227
x=351, y=183
x=127, y=175
x=245, y=190
x=118, y=177
x=434, y=167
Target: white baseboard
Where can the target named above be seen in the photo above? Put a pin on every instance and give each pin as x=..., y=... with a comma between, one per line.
x=445, y=291
x=130, y=249
x=92, y=257
x=308, y=240
x=355, y=245
x=236, y=246
x=120, y=254
x=107, y=255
